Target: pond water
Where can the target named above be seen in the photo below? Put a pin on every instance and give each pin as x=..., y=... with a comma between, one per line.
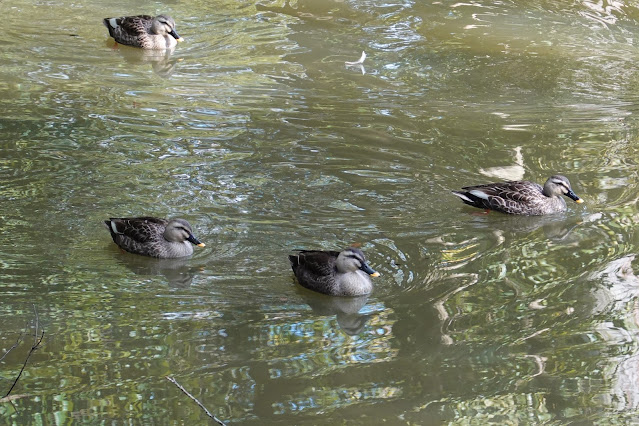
x=256, y=132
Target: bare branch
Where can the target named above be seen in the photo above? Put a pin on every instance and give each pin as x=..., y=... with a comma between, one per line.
x=33, y=348
x=15, y=345
x=37, y=323
x=208, y=413
x=14, y=397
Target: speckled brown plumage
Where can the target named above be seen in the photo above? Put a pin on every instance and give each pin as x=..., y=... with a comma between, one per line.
x=335, y=273
x=520, y=197
x=144, y=31
x=152, y=236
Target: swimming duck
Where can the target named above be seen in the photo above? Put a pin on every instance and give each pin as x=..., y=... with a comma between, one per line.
x=520, y=197
x=144, y=31
x=152, y=236
x=334, y=273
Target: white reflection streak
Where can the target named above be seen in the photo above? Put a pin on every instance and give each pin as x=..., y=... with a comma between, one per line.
x=514, y=172
x=537, y=304
x=618, y=294
x=443, y=313
x=536, y=333
x=358, y=63
x=541, y=363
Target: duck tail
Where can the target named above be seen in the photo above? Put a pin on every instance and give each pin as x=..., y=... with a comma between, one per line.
x=295, y=260
x=465, y=197
x=111, y=24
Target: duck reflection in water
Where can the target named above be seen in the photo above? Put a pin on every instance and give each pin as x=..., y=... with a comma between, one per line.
x=554, y=227
x=160, y=60
x=345, y=309
x=179, y=273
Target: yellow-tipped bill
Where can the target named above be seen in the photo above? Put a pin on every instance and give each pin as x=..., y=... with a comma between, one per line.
x=370, y=271
x=201, y=245
x=570, y=194
x=195, y=241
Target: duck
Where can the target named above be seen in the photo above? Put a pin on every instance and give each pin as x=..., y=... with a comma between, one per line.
x=344, y=273
x=152, y=236
x=521, y=197
x=144, y=31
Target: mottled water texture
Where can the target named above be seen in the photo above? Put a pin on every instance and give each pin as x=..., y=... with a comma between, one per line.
x=256, y=132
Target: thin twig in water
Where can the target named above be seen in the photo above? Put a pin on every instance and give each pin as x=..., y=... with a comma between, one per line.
x=33, y=348
x=208, y=413
x=15, y=345
x=37, y=323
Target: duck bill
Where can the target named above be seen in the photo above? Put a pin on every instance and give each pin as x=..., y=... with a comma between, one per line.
x=176, y=36
x=370, y=271
x=195, y=241
x=574, y=196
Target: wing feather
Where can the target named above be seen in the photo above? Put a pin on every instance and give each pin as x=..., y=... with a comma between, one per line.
x=139, y=229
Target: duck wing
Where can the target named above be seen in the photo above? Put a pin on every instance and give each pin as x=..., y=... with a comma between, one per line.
x=139, y=229
x=520, y=190
x=314, y=262
x=135, y=25
x=130, y=30
x=508, y=197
